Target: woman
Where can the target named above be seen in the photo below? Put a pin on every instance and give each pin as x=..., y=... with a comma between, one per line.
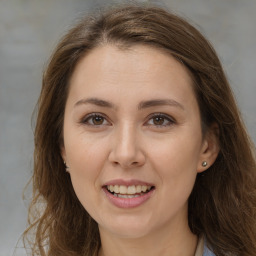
x=139, y=145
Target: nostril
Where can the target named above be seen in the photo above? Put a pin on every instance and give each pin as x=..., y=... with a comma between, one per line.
x=126, y=165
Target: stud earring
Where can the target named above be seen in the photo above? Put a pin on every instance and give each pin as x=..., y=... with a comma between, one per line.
x=204, y=163
x=66, y=167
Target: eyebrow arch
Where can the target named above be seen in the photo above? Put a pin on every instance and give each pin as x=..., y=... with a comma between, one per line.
x=95, y=101
x=160, y=102
x=142, y=105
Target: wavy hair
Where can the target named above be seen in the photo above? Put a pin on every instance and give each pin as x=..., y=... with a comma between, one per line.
x=222, y=205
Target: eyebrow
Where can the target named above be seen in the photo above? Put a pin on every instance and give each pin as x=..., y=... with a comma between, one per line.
x=160, y=102
x=95, y=101
x=142, y=105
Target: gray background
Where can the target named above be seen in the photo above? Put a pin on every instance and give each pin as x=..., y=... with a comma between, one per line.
x=29, y=29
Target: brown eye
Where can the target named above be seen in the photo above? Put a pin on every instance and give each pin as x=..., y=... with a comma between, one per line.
x=158, y=120
x=97, y=120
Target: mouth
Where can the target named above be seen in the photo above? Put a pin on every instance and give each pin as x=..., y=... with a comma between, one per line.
x=128, y=193
x=132, y=191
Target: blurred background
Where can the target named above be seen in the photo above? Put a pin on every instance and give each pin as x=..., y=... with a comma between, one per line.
x=29, y=30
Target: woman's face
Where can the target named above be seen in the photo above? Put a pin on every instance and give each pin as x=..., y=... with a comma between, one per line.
x=132, y=139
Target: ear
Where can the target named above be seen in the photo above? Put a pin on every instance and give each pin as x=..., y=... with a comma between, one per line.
x=210, y=148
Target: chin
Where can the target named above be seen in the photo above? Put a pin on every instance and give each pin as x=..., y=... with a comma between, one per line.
x=132, y=227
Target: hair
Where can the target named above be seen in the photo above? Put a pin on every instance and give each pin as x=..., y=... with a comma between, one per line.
x=222, y=205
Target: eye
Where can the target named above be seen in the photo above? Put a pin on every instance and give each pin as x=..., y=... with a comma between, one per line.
x=95, y=119
x=160, y=120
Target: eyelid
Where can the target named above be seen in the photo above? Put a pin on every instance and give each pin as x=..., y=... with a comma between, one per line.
x=84, y=119
x=165, y=116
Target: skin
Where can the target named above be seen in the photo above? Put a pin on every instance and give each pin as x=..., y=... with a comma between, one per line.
x=127, y=142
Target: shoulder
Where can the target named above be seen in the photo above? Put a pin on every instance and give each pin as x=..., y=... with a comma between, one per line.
x=202, y=248
x=207, y=251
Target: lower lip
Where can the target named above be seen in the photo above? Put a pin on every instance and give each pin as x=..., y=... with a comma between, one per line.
x=128, y=202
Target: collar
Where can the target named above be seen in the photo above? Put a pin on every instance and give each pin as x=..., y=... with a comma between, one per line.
x=202, y=249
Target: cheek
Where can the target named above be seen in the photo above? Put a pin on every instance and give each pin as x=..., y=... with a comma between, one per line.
x=85, y=152
x=86, y=159
x=178, y=153
x=176, y=163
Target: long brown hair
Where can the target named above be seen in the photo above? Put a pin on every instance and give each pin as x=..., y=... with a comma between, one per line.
x=222, y=205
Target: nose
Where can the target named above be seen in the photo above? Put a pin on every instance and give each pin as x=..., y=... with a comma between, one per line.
x=126, y=150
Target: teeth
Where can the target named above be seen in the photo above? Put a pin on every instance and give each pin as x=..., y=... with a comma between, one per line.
x=111, y=188
x=144, y=188
x=126, y=191
x=116, y=189
x=122, y=190
x=126, y=196
x=138, y=189
x=131, y=190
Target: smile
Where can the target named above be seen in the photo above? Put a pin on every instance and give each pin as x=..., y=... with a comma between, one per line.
x=128, y=191
x=130, y=196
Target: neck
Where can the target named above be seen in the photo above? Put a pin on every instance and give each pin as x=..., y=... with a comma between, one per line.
x=164, y=242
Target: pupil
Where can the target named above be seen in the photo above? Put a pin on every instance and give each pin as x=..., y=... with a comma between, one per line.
x=97, y=120
x=158, y=120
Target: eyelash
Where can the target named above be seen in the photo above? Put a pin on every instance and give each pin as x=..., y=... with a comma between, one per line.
x=86, y=120
x=165, y=118
x=170, y=121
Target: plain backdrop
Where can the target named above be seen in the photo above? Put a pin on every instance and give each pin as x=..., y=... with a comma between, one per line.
x=29, y=30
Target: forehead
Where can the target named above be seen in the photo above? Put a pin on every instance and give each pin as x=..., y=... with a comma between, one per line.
x=139, y=68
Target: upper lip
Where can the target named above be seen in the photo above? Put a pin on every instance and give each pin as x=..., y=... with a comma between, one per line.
x=127, y=182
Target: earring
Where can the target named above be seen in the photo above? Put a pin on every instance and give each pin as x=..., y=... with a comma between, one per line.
x=204, y=163
x=66, y=167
